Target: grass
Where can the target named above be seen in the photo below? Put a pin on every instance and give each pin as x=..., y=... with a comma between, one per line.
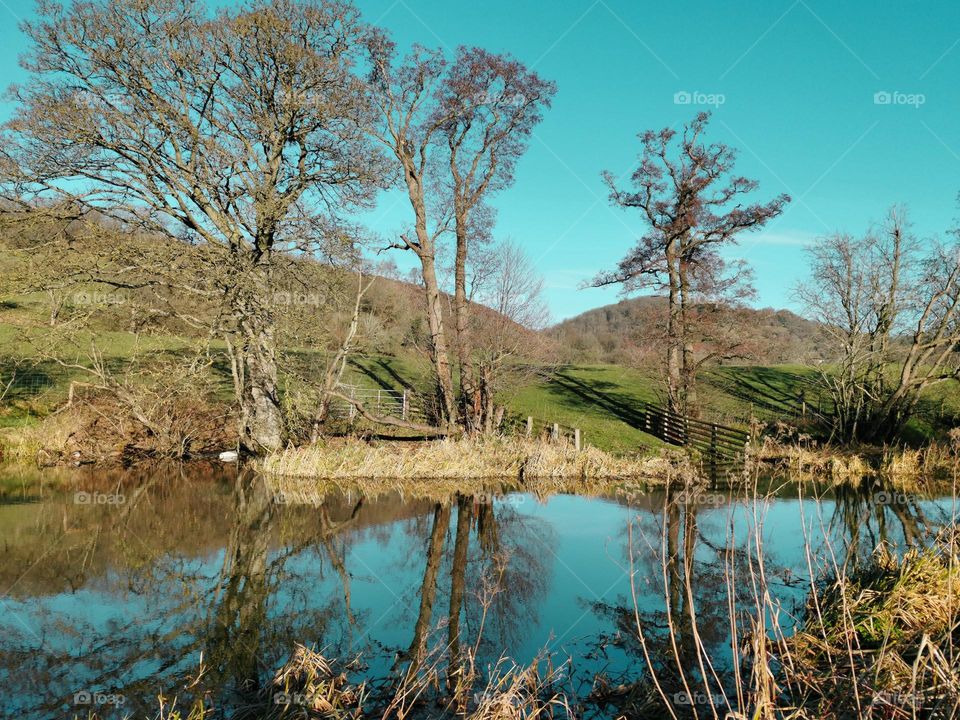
x=601, y=400
x=462, y=460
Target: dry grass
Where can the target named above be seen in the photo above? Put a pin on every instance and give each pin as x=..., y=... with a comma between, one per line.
x=887, y=627
x=32, y=443
x=308, y=683
x=464, y=459
x=902, y=467
x=307, y=686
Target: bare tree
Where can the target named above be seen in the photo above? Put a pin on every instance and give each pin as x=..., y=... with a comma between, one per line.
x=481, y=109
x=402, y=92
x=692, y=203
x=508, y=349
x=241, y=131
x=891, y=307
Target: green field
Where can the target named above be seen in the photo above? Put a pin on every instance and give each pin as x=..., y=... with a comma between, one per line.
x=601, y=400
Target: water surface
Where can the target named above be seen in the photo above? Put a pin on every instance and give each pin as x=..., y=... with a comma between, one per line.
x=116, y=583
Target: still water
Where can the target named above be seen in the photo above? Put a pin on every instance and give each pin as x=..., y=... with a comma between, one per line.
x=116, y=586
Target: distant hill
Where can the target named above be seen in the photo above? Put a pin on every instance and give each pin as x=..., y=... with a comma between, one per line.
x=630, y=329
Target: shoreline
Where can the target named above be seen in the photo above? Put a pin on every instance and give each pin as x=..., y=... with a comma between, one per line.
x=491, y=458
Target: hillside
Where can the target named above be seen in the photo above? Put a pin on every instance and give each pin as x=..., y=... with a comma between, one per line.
x=627, y=331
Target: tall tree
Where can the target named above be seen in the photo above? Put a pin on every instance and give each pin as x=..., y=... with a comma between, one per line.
x=457, y=130
x=692, y=203
x=241, y=132
x=489, y=105
x=402, y=91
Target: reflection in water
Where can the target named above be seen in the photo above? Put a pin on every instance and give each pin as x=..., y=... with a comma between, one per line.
x=166, y=578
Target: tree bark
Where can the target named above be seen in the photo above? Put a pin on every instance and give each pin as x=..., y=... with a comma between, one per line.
x=472, y=420
x=438, y=343
x=674, y=335
x=425, y=250
x=255, y=369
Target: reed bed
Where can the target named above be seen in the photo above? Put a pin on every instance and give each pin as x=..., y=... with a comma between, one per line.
x=310, y=685
x=902, y=467
x=459, y=459
x=882, y=637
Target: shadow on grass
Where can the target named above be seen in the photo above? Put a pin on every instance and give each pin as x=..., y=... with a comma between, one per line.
x=579, y=395
x=775, y=390
x=380, y=371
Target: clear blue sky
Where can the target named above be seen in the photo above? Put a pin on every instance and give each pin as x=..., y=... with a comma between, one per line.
x=798, y=79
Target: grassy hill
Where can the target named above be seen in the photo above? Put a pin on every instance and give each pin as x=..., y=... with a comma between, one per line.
x=599, y=398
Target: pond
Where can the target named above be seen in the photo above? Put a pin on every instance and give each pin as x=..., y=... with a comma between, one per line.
x=116, y=586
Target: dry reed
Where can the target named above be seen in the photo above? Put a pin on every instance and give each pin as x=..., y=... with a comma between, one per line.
x=463, y=459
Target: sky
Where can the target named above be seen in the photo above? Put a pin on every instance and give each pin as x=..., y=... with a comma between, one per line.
x=849, y=107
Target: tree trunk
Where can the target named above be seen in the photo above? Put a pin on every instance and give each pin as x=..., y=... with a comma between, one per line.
x=468, y=391
x=428, y=589
x=438, y=343
x=237, y=620
x=337, y=366
x=688, y=370
x=458, y=574
x=255, y=371
x=424, y=248
x=674, y=338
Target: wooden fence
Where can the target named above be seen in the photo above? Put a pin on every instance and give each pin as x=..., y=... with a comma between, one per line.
x=719, y=442
x=532, y=427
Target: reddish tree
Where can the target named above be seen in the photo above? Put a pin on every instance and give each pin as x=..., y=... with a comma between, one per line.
x=457, y=130
x=692, y=203
x=488, y=105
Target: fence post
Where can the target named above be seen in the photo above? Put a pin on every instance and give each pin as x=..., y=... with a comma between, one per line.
x=378, y=401
x=714, y=477
x=576, y=439
x=404, y=411
x=353, y=408
x=556, y=432
x=529, y=425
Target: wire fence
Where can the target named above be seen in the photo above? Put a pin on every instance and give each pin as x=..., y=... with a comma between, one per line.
x=32, y=385
x=383, y=402
x=537, y=428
